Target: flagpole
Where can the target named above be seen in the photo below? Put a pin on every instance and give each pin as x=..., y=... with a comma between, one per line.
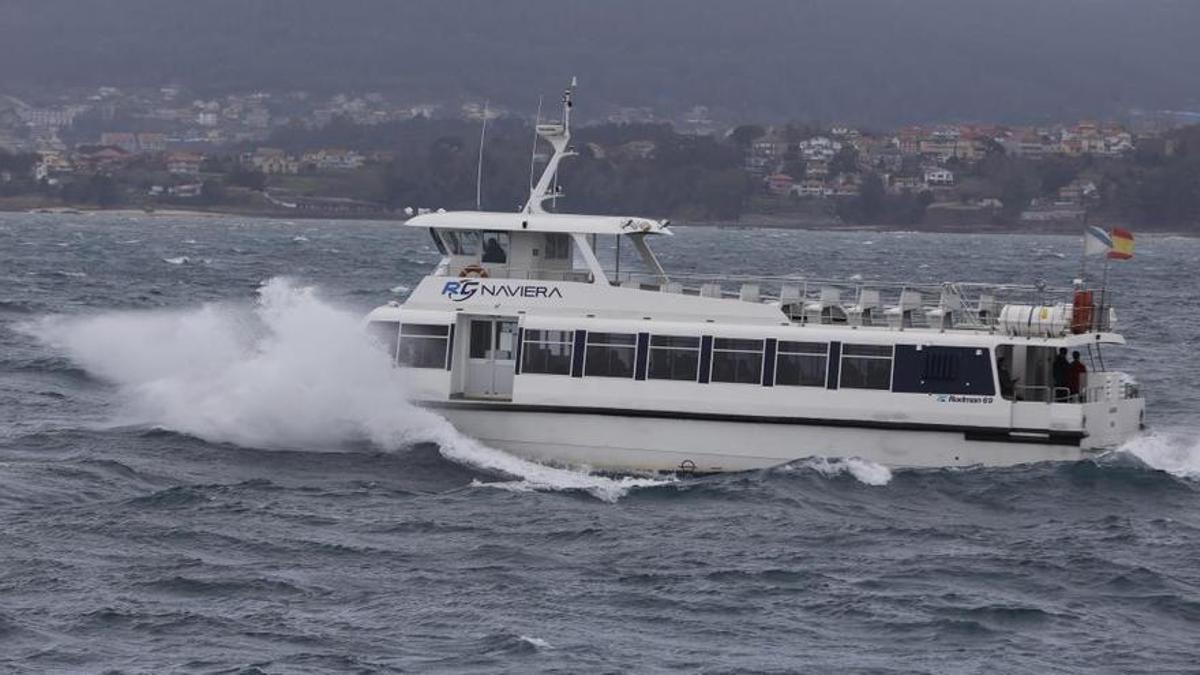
x=1103, y=294
x=1083, y=258
x=479, y=171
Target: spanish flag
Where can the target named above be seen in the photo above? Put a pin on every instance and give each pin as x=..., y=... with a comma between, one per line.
x=1122, y=245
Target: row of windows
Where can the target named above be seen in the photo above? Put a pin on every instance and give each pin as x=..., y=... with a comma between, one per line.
x=733, y=360
x=903, y=368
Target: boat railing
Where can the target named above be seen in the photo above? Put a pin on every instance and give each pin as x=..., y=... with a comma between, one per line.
x=896, y=304
x=1097, y=387
x=860, y=302
x=504, y=272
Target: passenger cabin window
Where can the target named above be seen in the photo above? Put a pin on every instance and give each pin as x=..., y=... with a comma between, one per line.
x=610, y=354
x=461, y=242
x=674, y=358
x=386, y=334
x=738, y=361
x=424, y=345
x=866, y=367
x=801, y=364
x=928, y=369
x=558, y=246
x=495, y=248
x=547, y=352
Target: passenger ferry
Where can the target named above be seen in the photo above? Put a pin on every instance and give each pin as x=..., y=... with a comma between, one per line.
x=525, y=339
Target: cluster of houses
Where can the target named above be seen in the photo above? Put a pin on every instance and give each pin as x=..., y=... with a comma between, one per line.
x=147, y=151
x=916, y=159
x=273, y=161
x=168, y=112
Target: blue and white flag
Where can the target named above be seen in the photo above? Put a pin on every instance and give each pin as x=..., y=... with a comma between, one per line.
x=1096, y=241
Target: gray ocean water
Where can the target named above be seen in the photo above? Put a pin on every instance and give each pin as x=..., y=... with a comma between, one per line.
x=203, y=469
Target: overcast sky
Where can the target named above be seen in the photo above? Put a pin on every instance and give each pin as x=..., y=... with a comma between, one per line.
x=867, y=61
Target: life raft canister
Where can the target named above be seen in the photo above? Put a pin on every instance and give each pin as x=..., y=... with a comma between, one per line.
x=1081, y=312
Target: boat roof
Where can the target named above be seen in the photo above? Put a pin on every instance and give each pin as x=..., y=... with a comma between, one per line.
x=539, y=222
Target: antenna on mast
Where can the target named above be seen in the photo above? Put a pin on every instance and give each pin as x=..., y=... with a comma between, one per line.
x=533, y=150
x=567, y=105
x=479, y=171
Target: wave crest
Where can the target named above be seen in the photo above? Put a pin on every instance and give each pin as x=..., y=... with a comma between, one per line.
x=1175, y=451
x=865, y=472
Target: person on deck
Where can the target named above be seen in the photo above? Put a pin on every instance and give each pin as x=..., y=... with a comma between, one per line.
x=1061, y=369
x=1076, y=375
x=1007, y=381
x=493, y=251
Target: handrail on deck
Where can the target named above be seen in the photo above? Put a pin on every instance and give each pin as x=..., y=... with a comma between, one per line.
x=858, y=302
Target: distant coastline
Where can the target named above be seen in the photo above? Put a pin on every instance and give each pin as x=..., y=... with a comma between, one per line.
x=748, y=221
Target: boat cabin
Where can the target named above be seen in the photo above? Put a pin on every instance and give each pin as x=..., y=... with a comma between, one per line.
x=546, y=246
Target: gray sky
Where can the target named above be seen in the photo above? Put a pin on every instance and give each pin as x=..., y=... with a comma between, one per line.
x=865, y=61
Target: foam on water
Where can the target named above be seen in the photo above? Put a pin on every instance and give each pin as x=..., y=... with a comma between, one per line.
x=291, y=371
x=1176, y=451
x=536, y=642
x=865, y=472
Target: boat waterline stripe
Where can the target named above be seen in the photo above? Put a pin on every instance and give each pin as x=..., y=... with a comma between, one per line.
x=972, y=433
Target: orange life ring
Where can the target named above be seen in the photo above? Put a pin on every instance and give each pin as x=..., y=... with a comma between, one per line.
x=1081, y=314
x=474, y=271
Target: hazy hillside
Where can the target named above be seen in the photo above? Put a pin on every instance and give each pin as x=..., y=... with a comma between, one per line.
x=875, y=62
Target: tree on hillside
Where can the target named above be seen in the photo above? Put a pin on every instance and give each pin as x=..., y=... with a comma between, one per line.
x=871, y=198
x=845, y=161
x=746, y=134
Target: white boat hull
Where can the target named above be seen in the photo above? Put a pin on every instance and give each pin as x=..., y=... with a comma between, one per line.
x=638, y=443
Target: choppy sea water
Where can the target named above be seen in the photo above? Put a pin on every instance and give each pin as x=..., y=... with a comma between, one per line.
x=204, y=469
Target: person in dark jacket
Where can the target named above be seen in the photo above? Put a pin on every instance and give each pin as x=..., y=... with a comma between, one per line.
x=1061, y=369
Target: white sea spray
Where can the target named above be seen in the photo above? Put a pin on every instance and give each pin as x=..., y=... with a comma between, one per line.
x=291, y=371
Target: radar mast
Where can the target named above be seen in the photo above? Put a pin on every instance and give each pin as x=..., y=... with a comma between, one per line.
x=558, y=134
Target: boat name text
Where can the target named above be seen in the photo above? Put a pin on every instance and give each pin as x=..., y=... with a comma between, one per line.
x=959, y=398
x=465, y=290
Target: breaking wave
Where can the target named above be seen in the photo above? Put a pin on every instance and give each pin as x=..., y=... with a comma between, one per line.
x=865, y=472
x=291, y=371
x=1176, y=451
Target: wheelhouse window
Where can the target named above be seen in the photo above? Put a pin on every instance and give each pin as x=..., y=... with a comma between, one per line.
x=386, y=334
x=437, y=242
x=558, y=246
x=738, y=361
x=674, y=358
x=801, y=364
x=495, y=248
x=547, y=352
x=866, y=367
x=610, y=354
x=460, y=242
x=423, y=345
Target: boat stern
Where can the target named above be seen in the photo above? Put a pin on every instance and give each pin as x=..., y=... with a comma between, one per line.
x=1113, y=411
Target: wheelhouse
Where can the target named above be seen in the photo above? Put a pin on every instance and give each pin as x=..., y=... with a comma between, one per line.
x=539, y=245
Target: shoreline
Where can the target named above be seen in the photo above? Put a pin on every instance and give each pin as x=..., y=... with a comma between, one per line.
x=751, y=222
